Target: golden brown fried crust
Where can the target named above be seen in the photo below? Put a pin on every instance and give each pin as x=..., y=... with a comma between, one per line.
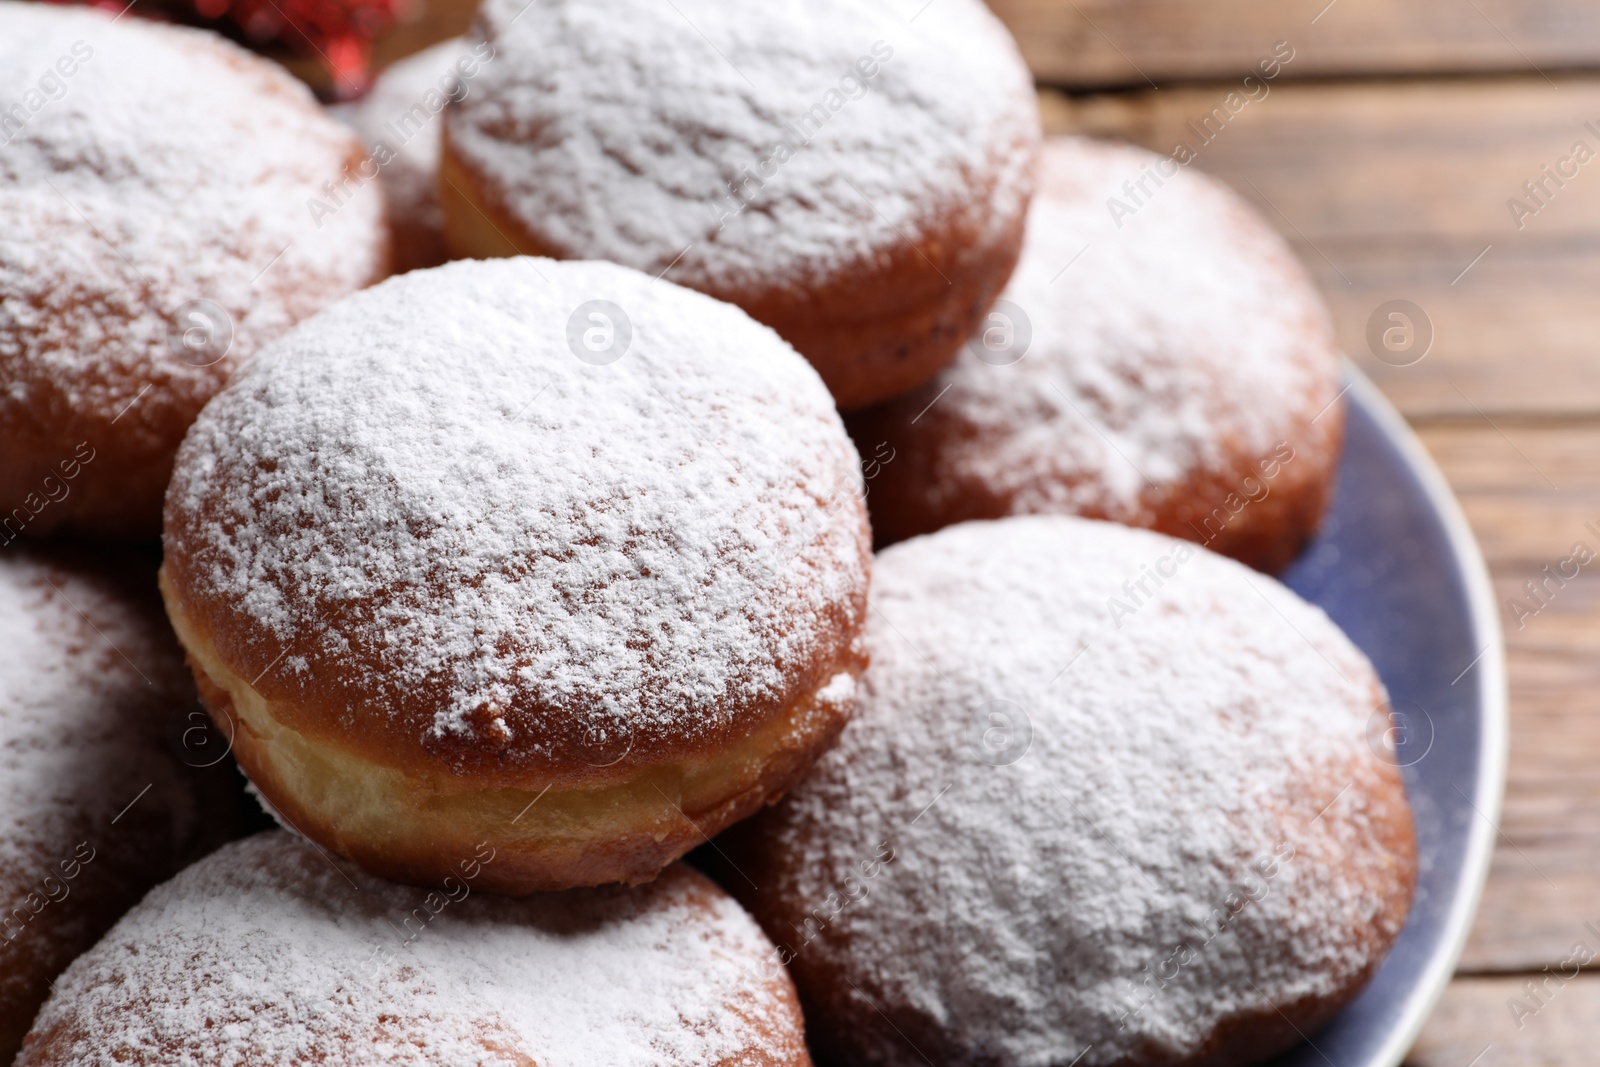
x=223, y=641
x=872, y=331
x=603, y=815
x=42, y=445
x=1267, y=533
x=415, y=243
x=546, y=838
x=1210, y=507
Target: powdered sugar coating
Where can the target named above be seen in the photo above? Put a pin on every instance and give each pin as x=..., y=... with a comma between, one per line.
x=1068, y=798
x=1168, y=338
x=78, y=662
x=132, y=191
x=268, y=955
x=400, y=120
x=94, y=806
x=412, y=177
x=620, y=130
x=426, y=511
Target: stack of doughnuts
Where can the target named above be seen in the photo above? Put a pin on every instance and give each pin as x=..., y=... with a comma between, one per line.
x=511, y=580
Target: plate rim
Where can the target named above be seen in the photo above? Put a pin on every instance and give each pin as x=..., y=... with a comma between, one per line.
x=1493, y=711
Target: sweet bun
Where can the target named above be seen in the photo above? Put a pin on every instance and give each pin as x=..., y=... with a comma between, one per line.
x=553, y=554
x=1072, y=823
x=854, y=175
x=399, y=120
x=153, y=236
x=110, y=779
x=1166, y=365
x=270, y=954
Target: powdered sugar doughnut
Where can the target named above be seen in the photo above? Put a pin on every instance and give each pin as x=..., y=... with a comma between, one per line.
x=854, y=175
x=554, y=554
x=157, y=227
x=269, y=954
x=1074, y=823
x=1168, y=365
x=399, y=120
x=101, y=799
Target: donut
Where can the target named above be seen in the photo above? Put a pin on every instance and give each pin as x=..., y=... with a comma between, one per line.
x=552, y=553
x=169, y=203
x=1107, y=798
x=270, y=954
x=399, y=122
x=1159, y=359
x=110, y=778
x=854, y=175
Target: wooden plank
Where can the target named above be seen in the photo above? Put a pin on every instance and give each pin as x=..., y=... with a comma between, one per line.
x=1098, y=43
x=1088, y=44
x=1543, y=884
x=1411, y=160
x=1528, y=490
x=1394, y=190
x=1476, y=1024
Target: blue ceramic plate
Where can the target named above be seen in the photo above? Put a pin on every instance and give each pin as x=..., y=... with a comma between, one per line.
x=1396, y=565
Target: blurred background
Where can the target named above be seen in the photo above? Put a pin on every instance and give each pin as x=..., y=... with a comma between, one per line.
x=1438, y=158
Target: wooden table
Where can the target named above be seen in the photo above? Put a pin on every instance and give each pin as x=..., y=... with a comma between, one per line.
x=1386, y=151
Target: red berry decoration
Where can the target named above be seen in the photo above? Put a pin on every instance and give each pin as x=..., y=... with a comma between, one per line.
x=336, y=33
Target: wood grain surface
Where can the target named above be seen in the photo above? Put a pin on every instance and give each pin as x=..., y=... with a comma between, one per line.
x=1393, y=189
x=1099, y=43
x=1476, y=1024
